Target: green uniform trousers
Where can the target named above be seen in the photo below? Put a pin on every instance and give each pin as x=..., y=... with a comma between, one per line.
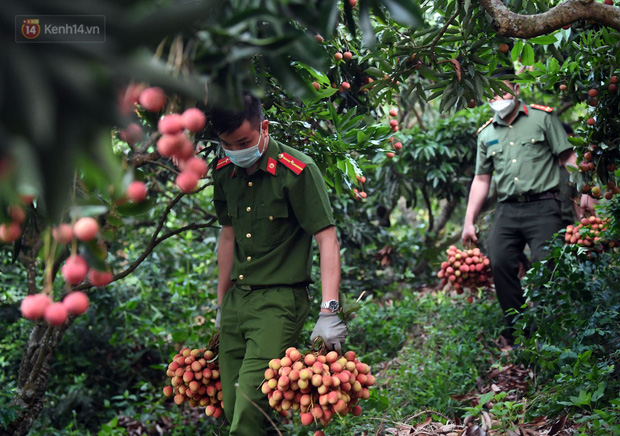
x=256, y=326
x=516, y=224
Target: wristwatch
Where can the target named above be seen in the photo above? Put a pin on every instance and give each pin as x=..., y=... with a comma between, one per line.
x=332, y=305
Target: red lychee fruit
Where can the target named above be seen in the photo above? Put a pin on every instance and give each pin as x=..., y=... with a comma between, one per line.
x=74, y=270
x=76, y=302
x=99, y=278
x=195, y=165
x=56, y=314
x=17, y=213
x=33, y=306
x=136, y=191
x=170, y=124
x=347, y=55
x=393, y=112
x=86, y=228
x=62, y=233
x=186, y=150
x=131, y=134
x=10, y=232
x=194, y=119
x=152, y=99
x=187, y=181
x=168, y=145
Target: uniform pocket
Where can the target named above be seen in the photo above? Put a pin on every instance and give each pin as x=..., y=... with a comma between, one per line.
x=496, y=152
x=272, y=220
x=535, y=146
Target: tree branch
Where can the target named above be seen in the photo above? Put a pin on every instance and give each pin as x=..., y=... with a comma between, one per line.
x=507, y=23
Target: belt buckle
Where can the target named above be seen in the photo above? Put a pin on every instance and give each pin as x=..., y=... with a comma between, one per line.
x=523, y=198
x=245, y=287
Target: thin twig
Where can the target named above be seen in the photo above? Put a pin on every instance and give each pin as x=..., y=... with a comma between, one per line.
x=259, y=408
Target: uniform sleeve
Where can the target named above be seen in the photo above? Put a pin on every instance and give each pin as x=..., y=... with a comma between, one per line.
x=219, y=201
x=484, y=164
x=556, y=135
x=309, y=200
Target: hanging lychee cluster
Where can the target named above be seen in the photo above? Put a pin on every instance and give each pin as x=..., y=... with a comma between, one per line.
x=465, y=269
x=317, y=385
x=195, y=379
x=589, y=233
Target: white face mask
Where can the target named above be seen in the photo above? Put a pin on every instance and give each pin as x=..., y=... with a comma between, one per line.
x=248, y=156
x=503, y=107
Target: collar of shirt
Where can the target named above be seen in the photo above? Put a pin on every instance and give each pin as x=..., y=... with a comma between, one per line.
x=522, y=109
x=273, y=150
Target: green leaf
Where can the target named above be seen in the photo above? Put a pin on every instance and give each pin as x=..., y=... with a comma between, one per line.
x=132, y=209
x=404, y=12
x=485, y=398
x=87, y=210
x=527, y=56
x=543, y=40
x=516, y=50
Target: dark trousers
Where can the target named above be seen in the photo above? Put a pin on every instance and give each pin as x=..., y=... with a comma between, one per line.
x=515, y=225
x=257, y=326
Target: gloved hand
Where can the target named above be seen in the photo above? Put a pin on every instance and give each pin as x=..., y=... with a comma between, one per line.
x=332, y=329
x=218, y=317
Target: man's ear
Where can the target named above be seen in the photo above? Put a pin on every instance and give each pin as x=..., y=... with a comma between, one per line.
x=516, y=89
x=265, y=126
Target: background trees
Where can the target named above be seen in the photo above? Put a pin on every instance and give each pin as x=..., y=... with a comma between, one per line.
x=429, y=63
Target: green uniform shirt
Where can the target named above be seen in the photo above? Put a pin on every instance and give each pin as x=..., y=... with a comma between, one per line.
x=274, y=217
x=523, y=155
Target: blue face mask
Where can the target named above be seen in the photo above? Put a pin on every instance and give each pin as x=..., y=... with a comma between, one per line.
x=248, y=156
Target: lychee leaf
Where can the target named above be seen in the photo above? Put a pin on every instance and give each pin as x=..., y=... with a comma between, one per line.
x=131, y=209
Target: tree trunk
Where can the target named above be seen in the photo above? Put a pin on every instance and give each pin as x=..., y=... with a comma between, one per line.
x=34, y=372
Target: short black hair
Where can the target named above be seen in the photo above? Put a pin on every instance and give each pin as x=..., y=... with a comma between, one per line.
x=225, y=118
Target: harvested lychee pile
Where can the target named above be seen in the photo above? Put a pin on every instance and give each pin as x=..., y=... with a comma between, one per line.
x=465, y=269
x=195, y=378
x=589, y=233
x=317, y=385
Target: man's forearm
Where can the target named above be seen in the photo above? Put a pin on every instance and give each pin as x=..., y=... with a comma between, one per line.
x=329, y=251
x=225, y=261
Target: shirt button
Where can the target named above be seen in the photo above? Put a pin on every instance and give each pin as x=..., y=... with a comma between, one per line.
x=516, y=179
x=270, y=218
x=249, y=258
x=493, y=153
x=510, y=127
x=514, y=161
x=512, y=143
x=248, y=235
x=248, y=208
x=250, y=184
x=533, y=140
x=240, y=276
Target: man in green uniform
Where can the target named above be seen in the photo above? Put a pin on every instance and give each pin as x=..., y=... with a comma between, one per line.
x=519, y=147
x=270, y=200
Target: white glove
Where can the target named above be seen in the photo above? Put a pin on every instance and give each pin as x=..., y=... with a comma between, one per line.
x=331, y=329
x=218, y=317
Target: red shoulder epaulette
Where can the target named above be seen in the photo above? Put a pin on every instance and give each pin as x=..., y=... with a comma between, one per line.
x=222, y=163
x=485, y=124
x=540, y=107
x=293, y=164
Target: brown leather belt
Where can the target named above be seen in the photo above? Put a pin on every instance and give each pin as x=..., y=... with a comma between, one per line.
x=526, y=198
